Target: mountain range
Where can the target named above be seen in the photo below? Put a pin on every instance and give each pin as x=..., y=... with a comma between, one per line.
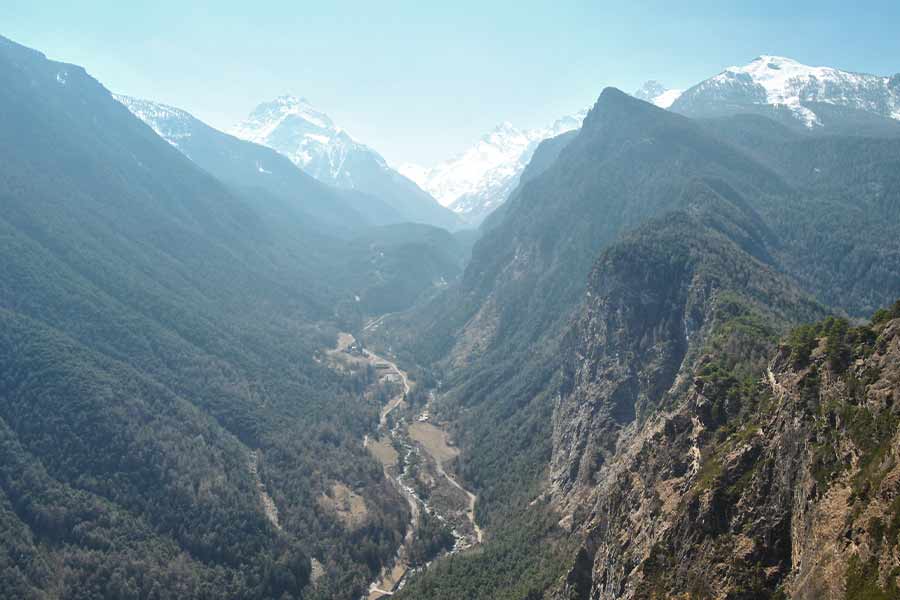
x=480, y=179
x=311, y=140
x=605, y=355
x=474, y=183
x=477, y=181
x=664, y=366
x=168, y=426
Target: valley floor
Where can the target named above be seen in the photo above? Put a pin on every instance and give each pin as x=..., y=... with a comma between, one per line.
x=415, y=453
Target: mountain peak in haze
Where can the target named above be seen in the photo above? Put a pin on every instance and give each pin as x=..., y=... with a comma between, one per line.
x=293, y=127
x=286, y=106
x=479, y=179
x=656, y=93
x=505, y=127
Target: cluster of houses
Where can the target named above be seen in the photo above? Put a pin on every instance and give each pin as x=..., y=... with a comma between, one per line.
x=383, y=370
x=386, y=372
x=356, y=349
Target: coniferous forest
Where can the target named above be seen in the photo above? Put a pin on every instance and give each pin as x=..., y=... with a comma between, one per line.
x=651, y=351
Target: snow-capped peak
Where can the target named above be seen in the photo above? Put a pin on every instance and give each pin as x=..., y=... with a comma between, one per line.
x=784, y=81
x=268, y=116
x=775, y=73
x=667, y=98
x=504, y=136
x=293, y=127
x=479, y=179
x=780, y=81
x=306, y=135
x=656, y=93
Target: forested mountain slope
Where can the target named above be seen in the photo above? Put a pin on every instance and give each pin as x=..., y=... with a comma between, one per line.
x=158, y=352
x=621, y=370
x=838, y=232
x=723, y=240
x=257, y=169
x=361, y=246
x=400, y=265
x=630, y=162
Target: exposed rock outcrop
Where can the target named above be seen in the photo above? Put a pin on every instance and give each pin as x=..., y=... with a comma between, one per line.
x=692, y=466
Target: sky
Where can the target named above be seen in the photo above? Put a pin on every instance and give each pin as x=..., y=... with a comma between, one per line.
x=422, y=81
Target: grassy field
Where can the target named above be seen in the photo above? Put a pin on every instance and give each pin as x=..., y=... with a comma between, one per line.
x=434, y=440
x=383, y=451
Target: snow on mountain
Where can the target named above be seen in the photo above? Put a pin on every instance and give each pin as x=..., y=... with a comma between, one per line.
x=266, y=118
x=496, y=152
x=170, y=123
x=312, y=141
x=480, y=179
x=785, y=83
x=656, y=93
x=477, y=181
x=307, y=136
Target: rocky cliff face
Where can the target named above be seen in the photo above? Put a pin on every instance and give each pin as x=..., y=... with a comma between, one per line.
x=696, y=457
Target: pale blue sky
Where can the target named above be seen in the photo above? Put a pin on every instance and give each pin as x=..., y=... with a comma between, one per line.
x=420, y=81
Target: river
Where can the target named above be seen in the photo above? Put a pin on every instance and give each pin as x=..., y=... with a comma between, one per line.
x=430, y=440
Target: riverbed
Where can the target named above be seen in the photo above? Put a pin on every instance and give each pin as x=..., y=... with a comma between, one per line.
x=415, y=446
